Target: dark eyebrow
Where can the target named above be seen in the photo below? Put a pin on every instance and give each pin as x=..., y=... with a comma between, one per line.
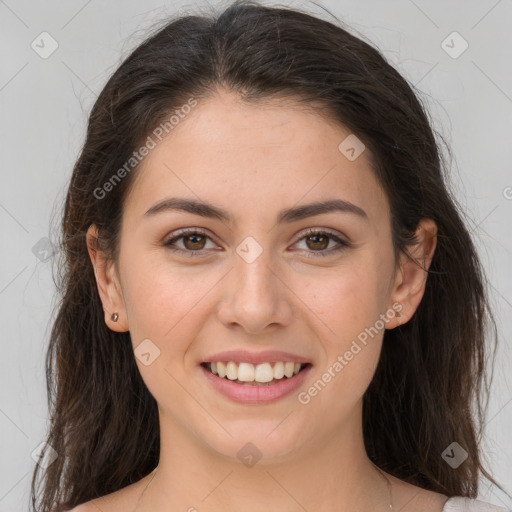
x=287, y=215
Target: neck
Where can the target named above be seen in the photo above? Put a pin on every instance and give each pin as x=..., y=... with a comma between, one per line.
x=334, y=475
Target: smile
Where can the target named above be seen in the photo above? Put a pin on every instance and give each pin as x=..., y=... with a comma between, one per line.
x=255, y=383
x=263, y=373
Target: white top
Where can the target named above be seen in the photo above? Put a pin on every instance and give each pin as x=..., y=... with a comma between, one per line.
x=462, y=504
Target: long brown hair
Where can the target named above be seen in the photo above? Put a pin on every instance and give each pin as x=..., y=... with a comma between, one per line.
x=429, y=388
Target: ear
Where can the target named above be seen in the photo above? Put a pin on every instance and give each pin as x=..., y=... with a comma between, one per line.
x=411, y=277
x=109, y=287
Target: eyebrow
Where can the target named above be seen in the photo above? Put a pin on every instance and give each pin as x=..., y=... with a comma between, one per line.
x=287, y=215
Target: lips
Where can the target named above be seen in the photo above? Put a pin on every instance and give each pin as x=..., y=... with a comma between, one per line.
x=255, y=378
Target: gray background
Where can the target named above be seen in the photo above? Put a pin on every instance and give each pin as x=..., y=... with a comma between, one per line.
x=45, y=103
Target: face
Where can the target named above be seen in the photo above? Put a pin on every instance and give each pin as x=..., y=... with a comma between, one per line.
x=318, y=286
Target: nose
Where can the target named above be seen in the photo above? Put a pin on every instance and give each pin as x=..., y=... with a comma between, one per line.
x=255, y=297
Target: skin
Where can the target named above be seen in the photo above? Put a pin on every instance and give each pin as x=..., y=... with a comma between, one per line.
x=228, y=153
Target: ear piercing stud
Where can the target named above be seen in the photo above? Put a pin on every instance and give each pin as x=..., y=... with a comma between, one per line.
x=114, y=317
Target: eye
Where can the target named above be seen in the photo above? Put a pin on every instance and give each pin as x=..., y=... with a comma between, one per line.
x=318, y=241
x=194, y=241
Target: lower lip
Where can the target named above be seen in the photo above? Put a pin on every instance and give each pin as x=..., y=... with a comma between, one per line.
x=254, y=394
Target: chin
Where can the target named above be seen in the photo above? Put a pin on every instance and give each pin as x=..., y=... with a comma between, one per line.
x=258, y=442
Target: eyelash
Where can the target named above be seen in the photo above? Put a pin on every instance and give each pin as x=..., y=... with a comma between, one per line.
x=342, y=244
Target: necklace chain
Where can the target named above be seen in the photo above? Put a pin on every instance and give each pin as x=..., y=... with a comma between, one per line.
x=388, y=483
x=142, y=494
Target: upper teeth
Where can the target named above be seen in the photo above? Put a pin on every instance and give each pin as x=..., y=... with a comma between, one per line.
x=247, y=372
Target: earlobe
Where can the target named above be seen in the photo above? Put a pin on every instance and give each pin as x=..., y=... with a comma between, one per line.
x=412, y=275
x=107, y=282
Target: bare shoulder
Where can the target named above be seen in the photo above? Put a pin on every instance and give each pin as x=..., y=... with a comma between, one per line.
x=97, y=505
x=122, y=500
x=110, y=503
x=85, y=507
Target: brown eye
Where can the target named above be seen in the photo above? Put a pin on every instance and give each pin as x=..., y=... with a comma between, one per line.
x=193, y=243
x=319, y=242
x=197, y=241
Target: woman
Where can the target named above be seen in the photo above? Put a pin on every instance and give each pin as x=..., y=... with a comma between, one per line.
x=270, y=298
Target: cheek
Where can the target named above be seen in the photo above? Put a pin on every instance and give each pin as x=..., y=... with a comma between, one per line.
x=352, y=343
x=167, y=307
x=350, y=304
x=167, y=304
x=159, y=297
x=348, y=299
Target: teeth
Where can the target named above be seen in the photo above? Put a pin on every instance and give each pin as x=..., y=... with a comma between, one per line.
x=247, y=372
x=232, y=371
x=221, y=369
x=288, y=369
x=279, y=370
x=264, y=373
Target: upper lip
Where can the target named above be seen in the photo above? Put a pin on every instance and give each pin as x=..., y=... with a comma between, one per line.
x=267, y=356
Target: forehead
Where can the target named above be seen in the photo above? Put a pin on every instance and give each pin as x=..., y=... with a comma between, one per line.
x=255, y=158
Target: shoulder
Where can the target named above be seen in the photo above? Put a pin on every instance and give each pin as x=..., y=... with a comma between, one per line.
x=105, y=504
x=122, y=500
x=85, y=507
x=410, y=498
x=462, y=504
x=110, y=503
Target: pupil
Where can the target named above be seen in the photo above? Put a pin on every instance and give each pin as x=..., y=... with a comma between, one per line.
x=189, y=237
x=323, y=246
